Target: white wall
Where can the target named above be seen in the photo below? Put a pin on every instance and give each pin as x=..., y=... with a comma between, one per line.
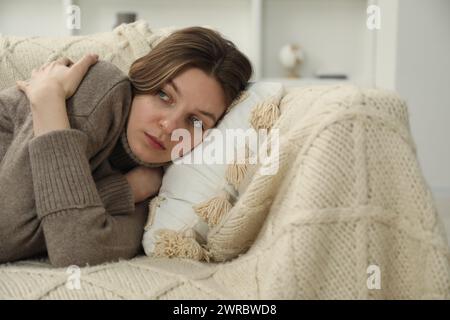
x=386, y=45
x=423, y=78
x=32, y=18
x=46, y=17
x=231, y=17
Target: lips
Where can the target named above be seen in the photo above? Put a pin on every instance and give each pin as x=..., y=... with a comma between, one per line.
x=154, y=142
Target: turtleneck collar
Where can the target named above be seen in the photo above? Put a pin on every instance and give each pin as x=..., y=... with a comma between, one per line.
x=124, y=159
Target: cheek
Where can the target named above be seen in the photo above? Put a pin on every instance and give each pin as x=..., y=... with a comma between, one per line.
x=196, y=138
x=144, y=112
x=185, y=147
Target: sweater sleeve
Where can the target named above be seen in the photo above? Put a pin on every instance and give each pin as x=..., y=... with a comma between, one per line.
x=84, y=221
x=6, y=130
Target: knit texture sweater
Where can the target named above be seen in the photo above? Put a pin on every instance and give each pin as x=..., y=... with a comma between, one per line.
x=64, y=193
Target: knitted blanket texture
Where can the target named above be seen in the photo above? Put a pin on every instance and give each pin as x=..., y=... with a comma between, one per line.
x=348, y=216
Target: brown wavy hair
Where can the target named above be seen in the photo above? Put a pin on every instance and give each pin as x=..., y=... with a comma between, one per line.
x=198, y=47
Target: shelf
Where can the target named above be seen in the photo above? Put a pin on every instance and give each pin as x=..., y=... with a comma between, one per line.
x=332, y=34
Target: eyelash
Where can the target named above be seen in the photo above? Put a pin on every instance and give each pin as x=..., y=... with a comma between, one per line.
x=192, y=122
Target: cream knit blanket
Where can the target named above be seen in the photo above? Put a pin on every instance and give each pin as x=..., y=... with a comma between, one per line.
x=349, y=215
x=122, y=46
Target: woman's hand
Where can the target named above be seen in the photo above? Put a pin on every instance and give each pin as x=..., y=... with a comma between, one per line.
x=57, y=79
x=48, y=89
x=144, y=182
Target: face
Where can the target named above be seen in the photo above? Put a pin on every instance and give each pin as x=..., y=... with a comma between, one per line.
x=192, y=100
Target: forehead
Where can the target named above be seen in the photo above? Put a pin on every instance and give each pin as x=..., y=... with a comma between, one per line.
x=198, y=90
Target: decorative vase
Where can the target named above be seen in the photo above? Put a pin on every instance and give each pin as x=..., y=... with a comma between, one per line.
x=291, y=56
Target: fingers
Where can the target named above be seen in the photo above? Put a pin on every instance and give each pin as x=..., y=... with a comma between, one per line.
x=82, y=65
x=64, y=61
x=79, y=69
x=44, y=66
x=92, y=58
x=22, y=85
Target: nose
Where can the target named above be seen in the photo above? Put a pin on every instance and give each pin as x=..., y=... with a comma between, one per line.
x=169, y=123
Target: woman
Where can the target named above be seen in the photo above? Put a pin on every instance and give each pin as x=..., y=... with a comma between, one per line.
x=82, y=145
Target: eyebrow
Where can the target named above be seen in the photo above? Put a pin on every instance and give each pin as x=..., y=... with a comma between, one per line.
x=174, y=86
x=205, y=113
x=208, y=114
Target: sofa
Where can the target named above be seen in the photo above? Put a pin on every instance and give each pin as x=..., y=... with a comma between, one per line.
x=349, y=215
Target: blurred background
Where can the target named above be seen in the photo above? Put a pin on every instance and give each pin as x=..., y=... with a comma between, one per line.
x=405, y=47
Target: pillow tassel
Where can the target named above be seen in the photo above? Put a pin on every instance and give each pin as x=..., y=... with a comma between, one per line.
x=236, y=173
x=214, y=209
x=264, y=114
x=154, y=203
x=170, y=243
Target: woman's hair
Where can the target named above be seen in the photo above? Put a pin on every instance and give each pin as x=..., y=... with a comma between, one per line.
x=192, y=47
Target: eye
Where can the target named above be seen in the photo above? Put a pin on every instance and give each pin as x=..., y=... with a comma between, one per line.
x=196, y=122
x=163, y=96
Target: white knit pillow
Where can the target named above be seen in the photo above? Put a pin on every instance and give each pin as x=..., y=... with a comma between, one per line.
x=122, y=46
x=194, y=196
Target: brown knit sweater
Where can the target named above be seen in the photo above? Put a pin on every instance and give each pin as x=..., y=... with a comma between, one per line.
x=64, y=193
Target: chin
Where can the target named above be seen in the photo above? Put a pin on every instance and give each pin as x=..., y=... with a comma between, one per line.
x=138, y=149
x=147, y=155
x=144, y=155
